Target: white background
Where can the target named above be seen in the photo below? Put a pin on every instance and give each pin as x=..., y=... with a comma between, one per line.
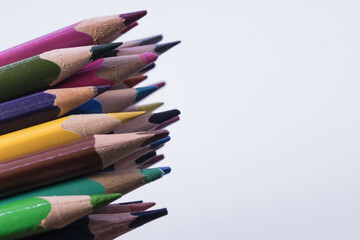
x=268, y=144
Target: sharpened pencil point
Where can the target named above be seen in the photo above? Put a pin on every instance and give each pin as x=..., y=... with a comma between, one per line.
x=159, y=84
x=101, y=89
x=148, y=68
x=126, y=116
x=168, y=122
x=148, y=216
x=162, y=117
x=163, y=47
x=99, y=51
x=145, y=158
x=148, y=57
x=151, y=40
x=159, y=143
x=148, y=108
x=128, y=28
x=132, y=202
x=166, y=170
x=133, y=81
x=152, y=174
x=133, y=16
x=144, y=91
x=100, y=200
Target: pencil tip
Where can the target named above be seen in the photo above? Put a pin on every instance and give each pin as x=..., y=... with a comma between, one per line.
x=133, y=16
x=148, y=57
x=163, y=47
x=166, y=170
x=160, y=142
x=151, y=40
x=159, y=84
x=162, y=117
x=147, y=216
x=133, y=81
x=132, y=202
x=151, y=174
x=145, y=158
x=126, y=116
x=168, y=122
x=148, y=108
x=128, y=28
x=99, y=51
x=147, y=68
x=101, y=89
x=142, y=92
x=100, y=200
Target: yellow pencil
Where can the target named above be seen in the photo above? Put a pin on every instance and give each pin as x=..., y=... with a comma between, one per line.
x=58, y=132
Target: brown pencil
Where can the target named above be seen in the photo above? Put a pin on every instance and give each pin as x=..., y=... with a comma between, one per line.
x=72, y=160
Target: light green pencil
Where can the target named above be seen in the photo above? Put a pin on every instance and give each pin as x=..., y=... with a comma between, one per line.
x=35, y=215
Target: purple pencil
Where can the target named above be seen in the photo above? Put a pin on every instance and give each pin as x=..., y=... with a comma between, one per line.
x=87, y=32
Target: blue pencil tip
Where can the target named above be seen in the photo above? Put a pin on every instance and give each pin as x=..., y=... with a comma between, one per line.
x=142, y=92
x=159, y=143
x=166, y=170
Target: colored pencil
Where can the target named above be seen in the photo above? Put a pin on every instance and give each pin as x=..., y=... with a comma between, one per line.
x=152, y=161
x=96, y=183
x=137, y=158
x=109, y=71
x=143, y=41
x=146, y=122
x=114, y=100
x=70, y=161
x=103, y=226
x=154, y=48
x=47, y=69
x=41, y=214
x=44, y=106
x=147, y=108
x=145, y=70
x=57, y=132
x=125, y=207
x=87, y=32
x=131, y=82
x=168, y=123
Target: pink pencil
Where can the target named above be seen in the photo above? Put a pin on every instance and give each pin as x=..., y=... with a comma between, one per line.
x=87, y=32
x=111, y=71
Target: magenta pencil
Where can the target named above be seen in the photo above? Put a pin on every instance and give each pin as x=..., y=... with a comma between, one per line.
x=110, y=70
x=87, y=32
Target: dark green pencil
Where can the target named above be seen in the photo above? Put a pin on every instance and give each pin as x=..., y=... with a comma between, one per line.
x=47, y=69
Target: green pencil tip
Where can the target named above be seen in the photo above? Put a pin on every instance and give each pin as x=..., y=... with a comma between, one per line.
x=152, y=174
x=100, y=200
x=100, y=51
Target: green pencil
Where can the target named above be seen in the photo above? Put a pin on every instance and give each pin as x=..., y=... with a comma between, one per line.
x=42, y=214
x=98, y=183
x=47, y=69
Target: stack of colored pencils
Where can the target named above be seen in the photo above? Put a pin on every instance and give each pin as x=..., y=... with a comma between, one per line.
x=73, y=138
